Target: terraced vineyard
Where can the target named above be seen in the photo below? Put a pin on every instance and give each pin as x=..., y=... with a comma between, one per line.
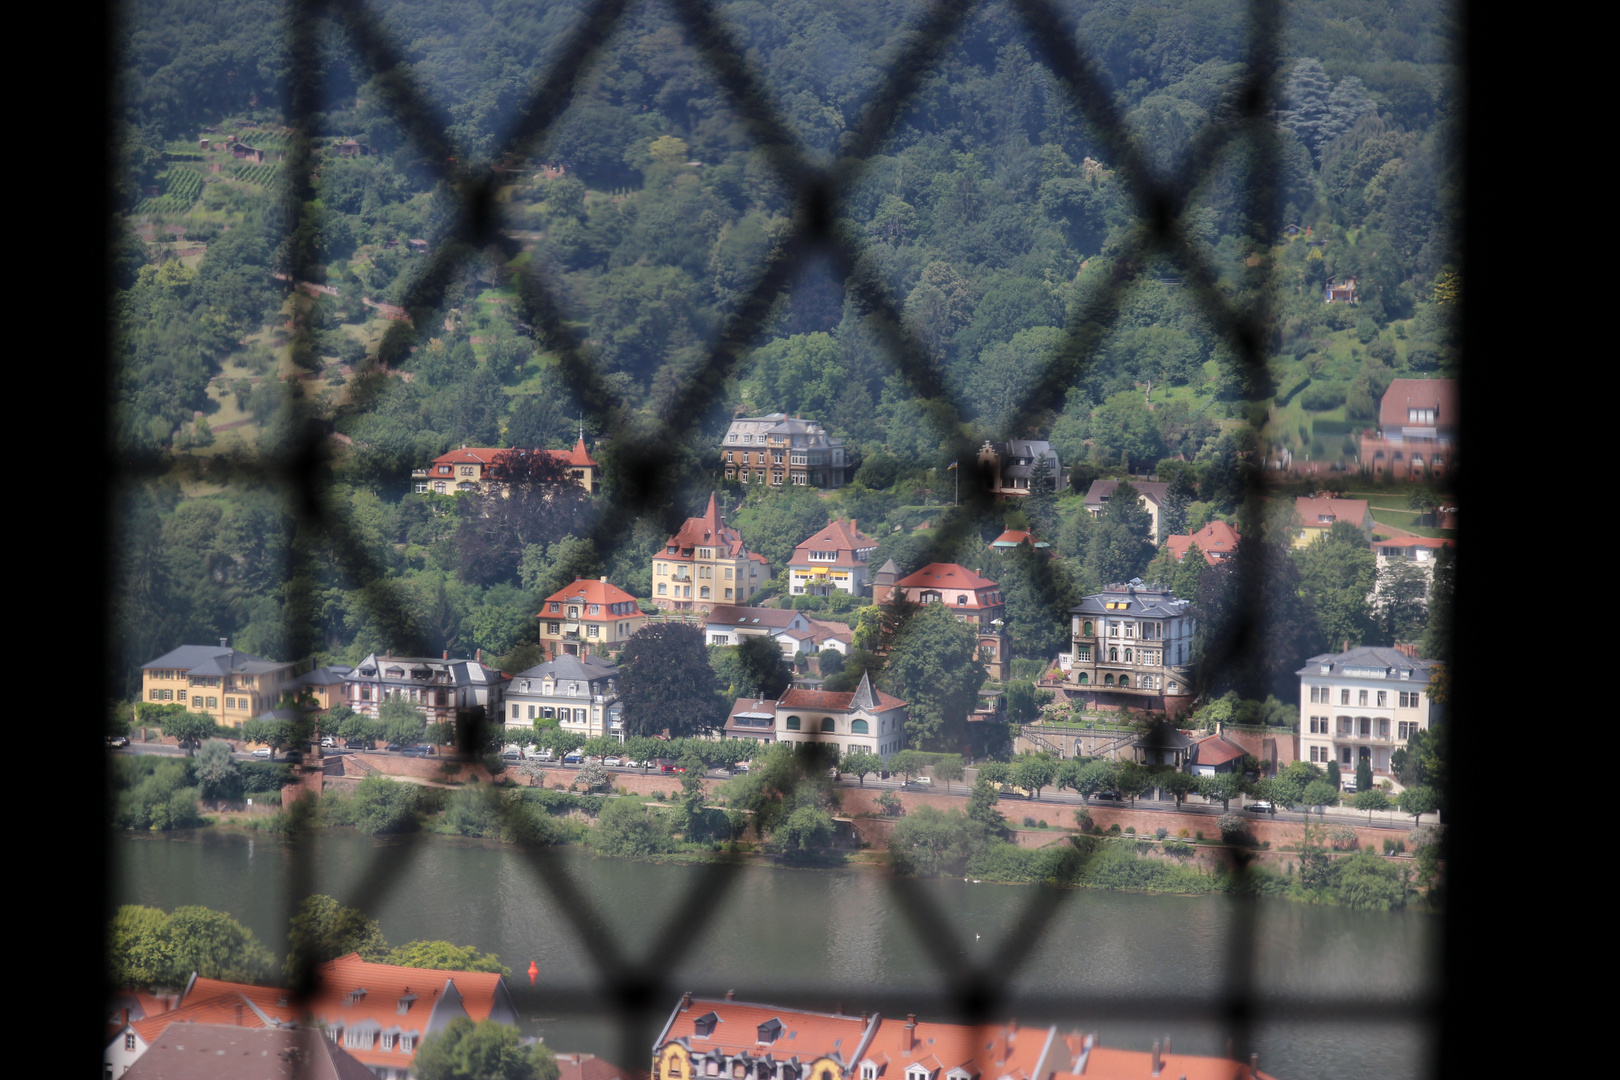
x=261, y=175
x=181, y=191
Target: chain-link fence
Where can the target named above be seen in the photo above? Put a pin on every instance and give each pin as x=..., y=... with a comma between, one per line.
x=640, y=473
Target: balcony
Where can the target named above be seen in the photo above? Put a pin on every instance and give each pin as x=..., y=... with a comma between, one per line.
x=1346, y=736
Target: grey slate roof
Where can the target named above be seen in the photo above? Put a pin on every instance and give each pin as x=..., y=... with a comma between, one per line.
x=864, y=697
x=197, y=1051
x=1377, y=658
x=213, y=660
x=1103, y=490
x=325, y=676
x=587, y=669
x=1148, y=601
x=463, y=672
x=733, y=615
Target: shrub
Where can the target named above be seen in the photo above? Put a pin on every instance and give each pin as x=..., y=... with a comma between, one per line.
x=1029, y=822
x=1234, y=829
x=658, y=796
x=1183, y=833
x=1200, y=834
x=1178, y=849
x=891, y=804
x=1114, y=828
x=1082, y=818
x=1161, y=832
x=1131, y=829
x=626, y=828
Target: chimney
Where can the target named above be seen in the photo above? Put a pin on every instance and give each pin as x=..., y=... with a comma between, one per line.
x=479, y=655
x=604, y=579
x=222, y=642
x=730, y=994
x=686, y=1001
x=1157, y=1063
x=446, y=654
x=911, y=1032
x=1346, y=645
x=126, y=1018
x=1167, y=1046
x=1254, y=1065
x=1231, y=1052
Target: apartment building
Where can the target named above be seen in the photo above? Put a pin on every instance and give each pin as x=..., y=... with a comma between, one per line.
x=227, y=684
x=588, y=618
x=778, y=449
x=833, y=560
x=1417, y=431
x=442, y=688
x=581, y=693
x=706, y=564
x=862, y=720
x=1363, y=703
x=1132, y=648
x=1151, y=494
x=973, y=598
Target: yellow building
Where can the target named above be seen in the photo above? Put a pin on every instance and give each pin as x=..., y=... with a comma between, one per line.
x=227, y=684
x=706, y=564
x=588, y=618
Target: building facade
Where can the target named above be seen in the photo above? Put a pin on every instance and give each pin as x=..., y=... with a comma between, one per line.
x=591, y=617
x=778, y=449
x=704, y=565
x=441, y=688
x=833, y=560
x=581, y=693
x=1319, y=513
x=1012, y=467
x=1365, y=703
x=1417, y=431
x=1150, y=493
x=974, y=599
x=1217, y=541
x=863, y=720
x=463, y=470
x=225, y=683
x=728, y=624
x=1132, y=648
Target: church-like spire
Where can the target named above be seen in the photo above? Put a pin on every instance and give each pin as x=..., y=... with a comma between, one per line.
x=865, y=697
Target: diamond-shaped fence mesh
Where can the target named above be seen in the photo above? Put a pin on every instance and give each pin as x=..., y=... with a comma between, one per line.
x=634, y=985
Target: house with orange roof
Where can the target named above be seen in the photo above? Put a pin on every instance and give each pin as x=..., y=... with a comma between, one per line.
x=1215, y=754
x=1215, y=541
x=590, y=1067
x=210, y=1051
x=973, y=598
x=1319, y=513
x=590, y=617
x=863, y=720
x=1011, y=538
x=704, y=564
x=834, y=559
x=1417, y=431
x=234, y=1004
x=751, y=1041
x=463, y=470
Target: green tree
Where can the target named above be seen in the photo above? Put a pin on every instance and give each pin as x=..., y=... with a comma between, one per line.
x=933, y=666
x=1364, y=775
x=667, y=682
x=324, y=930
x=1437, y=637
x=1338, y=572
x=930, y=842
x=807, y=830
x=1402, y=601
x=949, y=769
x=860, y=763
x=1132, y=780
x=486, y=1050
x=1094, y=776
x=217, y=773
x=907, y=763
x=755, y=666
x=1034, y=772
x=983, y=808
x=445, y=956
x=1178, y=784
x=1222, y=786
x=625, y=828
x=380, y=805
x=138, y=948
x=600, y=746
x=149, y=948
x=1370, y=799
x=1320, y=794
x=403, y=723
x=189, y=728
x=1418, y=801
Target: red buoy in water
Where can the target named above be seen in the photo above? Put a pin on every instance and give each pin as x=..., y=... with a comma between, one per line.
x=534, y=970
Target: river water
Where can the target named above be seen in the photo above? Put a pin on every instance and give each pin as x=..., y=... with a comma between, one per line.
x=813, y=938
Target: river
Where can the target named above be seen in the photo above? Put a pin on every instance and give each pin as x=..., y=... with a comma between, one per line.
x=815, y=937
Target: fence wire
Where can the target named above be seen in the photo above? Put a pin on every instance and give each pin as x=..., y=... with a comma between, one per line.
x=636, y=988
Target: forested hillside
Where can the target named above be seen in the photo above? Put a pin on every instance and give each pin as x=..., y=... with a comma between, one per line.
x=990, y=214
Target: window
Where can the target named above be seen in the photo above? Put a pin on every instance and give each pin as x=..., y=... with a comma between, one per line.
x=1127, y=656
x=1084, y=678
x=868, y=1071
x=1124, y=680
x=1113, y=655
x=1361, y=697
x=1344, y=697
x=1383, y=698
x=858, y=727
x=1406, y=729
x=1344, y=725
x=827, y=724
x=1108, y=680
x=129, y=1040
x=793, y=723
x=1319, y=754
x=1083, y=653
x=593, y=630
x=1085, y=629
x=1409, y=700
x=1383, y=727
x=661, y=588
x=1364, y=726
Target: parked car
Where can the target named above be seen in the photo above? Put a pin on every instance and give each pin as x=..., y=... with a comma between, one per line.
x=920, y=782
x=117, y=740
x=512, y=755
x=264, y=752
x=1009, y=793
x=544, y=755
x=328, y=742
x=1260, y=808
x=356, y=744
x=664, y=765
x=1350, y=787
x=574, y=757
x=741, y=766
x=1107, y=796
x=613, y=761
x=392, y=747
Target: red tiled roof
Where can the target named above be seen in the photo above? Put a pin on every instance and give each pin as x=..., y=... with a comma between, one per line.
x=1215, y=750
x=272, y=1000
x=944, y=576
x=833, y=700
x=825, y=630
x=990, y=1051
x=593, y=591
x=1311, y=509
x=1214, y=540
x=1108, y=1063
x=385, y=984
x=812, y=1034
x=707, y=531
x=485, y=455
x=229, y=1008
x=1415, y=541
x=591, y=1067
x=1403, y=394
x=839, y=536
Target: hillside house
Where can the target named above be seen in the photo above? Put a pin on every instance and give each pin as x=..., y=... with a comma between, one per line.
x=1417, y=431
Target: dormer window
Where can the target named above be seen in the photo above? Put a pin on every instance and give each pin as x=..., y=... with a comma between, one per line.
x=406, y=1001
x=916, y=1072
x=357, y=995
x=770, y=1031
x=704, y=1025
x=869, y=1070
x=711, y=1068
